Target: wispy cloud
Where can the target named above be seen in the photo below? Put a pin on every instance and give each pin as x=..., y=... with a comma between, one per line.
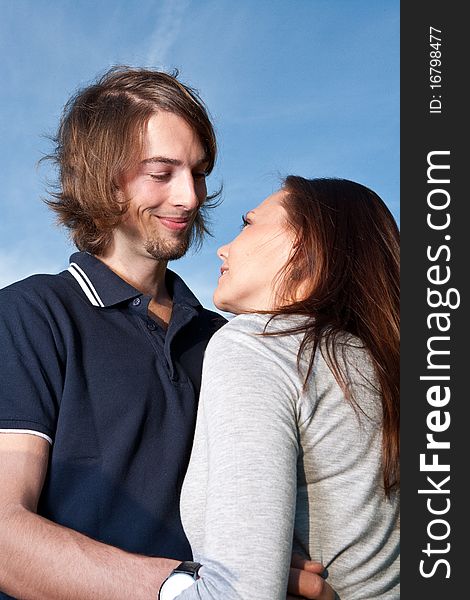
x=169, y=20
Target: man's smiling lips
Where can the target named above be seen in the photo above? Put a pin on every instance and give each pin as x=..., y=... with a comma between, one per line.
x=174, y=223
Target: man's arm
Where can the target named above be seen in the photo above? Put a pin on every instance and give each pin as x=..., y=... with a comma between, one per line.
x=40, y=560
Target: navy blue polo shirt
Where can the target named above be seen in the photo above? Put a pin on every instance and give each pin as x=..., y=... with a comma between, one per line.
x=84, y=366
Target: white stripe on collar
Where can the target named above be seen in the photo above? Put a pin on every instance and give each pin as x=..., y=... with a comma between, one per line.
x=85, y=284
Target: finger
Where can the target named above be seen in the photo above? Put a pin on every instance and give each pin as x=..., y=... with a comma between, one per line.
x=305, y=583
x=328, y=593
x=309, y=586
x=312, y=566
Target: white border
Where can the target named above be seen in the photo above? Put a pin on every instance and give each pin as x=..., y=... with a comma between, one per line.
x=30, y=431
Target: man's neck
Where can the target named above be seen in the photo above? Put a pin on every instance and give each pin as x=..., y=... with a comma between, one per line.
x=148, y=276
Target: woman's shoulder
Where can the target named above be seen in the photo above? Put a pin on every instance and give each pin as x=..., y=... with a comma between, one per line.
x=243, y=341
x=283, y=334
x=249, y=331
x=259, y=323
x=243, y=363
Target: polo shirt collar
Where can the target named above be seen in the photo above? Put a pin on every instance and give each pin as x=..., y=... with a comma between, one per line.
x=105, y=288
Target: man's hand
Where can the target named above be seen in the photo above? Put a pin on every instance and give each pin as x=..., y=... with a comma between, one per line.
x=306, y=581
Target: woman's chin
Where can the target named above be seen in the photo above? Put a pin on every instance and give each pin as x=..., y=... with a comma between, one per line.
x=224, y=304
x=219, y=302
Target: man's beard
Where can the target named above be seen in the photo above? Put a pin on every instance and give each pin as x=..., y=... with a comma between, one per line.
x=162, y=249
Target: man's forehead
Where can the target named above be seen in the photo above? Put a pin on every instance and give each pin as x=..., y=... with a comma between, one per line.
x=169, y=138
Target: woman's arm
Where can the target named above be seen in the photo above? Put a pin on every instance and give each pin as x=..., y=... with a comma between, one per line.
x=246, y=444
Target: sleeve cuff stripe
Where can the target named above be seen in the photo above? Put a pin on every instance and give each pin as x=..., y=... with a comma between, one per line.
x=30, y=431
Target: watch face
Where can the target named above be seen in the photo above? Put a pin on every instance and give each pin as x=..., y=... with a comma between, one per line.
x=174, y=585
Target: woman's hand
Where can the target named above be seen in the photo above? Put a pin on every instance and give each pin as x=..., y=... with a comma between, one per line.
x=306, y=581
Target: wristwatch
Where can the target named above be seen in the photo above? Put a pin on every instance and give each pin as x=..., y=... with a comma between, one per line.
x=179, y=579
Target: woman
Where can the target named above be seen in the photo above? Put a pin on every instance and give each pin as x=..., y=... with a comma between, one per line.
x=296, y=444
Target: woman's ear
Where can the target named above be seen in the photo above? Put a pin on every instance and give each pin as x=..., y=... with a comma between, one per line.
x=296, y=243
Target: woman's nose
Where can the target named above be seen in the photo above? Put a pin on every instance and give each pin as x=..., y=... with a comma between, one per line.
x=222, y=252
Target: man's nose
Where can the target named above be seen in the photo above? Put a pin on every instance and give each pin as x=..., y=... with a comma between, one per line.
x=186, y=192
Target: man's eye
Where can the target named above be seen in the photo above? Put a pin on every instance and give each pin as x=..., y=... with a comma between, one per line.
x=245, y=222
x=160, y=176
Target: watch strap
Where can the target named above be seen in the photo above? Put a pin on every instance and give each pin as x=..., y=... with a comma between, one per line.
x=182, y=577
x=189, y=567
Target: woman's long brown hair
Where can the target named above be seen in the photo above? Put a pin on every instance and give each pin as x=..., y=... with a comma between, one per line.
x=346, y=262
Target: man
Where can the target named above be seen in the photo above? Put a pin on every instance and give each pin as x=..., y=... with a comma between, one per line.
x=101, y=363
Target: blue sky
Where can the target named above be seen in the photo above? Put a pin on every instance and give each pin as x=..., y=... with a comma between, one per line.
x=309, y=87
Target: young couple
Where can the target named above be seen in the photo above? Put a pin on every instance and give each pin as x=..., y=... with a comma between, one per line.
x=293, y=451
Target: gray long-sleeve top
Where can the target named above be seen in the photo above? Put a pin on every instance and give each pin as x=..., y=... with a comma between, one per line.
x=275, y=467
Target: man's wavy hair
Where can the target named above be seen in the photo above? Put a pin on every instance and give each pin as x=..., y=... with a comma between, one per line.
x=100, y=137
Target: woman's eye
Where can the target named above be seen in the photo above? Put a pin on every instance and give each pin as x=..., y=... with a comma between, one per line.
x=245, y=222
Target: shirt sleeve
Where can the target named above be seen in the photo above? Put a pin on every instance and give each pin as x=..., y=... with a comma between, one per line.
x=30, y=371
x=247, y=432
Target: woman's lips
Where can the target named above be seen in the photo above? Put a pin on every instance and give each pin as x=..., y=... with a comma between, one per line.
x=175, y=224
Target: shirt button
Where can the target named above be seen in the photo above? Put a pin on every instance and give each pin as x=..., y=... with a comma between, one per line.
x=136, y=301
x=151, y=325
